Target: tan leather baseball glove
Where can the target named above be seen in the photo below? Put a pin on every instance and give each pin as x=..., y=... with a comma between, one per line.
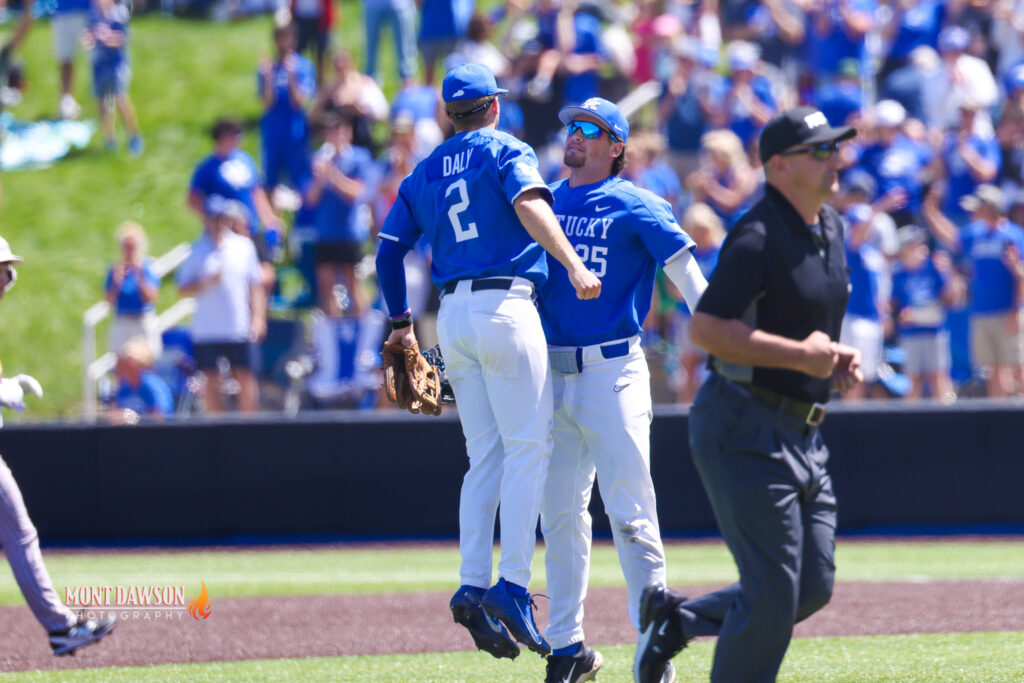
x=409, y=380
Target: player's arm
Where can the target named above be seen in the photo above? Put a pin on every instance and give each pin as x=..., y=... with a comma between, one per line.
x=391, y=275
x=684, y=272
x=536, y=215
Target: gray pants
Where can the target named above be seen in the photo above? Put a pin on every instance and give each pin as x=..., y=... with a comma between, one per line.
x=21, y=544
x=765, y=475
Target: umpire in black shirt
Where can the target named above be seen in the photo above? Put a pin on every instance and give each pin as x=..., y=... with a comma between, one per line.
x=769, y=320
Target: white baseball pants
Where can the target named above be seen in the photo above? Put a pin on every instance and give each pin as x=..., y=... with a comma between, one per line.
x=496, y=356
x=21, y=544
x=602, y=422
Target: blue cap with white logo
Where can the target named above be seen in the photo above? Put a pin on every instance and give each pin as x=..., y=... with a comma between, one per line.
x=468, y=82
x=602, y=110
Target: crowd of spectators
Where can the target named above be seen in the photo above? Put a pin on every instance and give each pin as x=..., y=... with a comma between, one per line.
x=932, y=187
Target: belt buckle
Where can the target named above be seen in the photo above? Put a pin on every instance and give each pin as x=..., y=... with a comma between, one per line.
x=816, y=415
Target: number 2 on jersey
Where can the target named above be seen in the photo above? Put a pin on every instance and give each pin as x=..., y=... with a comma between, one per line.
x=469, y=231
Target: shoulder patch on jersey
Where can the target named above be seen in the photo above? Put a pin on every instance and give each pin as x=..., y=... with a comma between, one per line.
x=528, y=171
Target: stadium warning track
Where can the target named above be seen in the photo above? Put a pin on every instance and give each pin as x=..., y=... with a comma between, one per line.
x=323, y=626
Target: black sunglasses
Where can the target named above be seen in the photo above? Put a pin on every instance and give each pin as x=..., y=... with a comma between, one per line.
x=820, y=152
x=591, y=131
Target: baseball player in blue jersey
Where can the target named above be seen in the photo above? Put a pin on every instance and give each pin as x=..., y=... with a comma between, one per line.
x=18, y=535
x=480, y=201
x=602, y=393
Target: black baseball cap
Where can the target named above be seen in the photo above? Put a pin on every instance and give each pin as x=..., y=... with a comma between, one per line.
x=799, y=126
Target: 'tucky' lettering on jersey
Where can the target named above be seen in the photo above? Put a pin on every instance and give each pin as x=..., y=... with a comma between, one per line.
x=585, y=226
x=456, y=163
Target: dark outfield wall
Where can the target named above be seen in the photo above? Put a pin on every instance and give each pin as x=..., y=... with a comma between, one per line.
x=372, y=475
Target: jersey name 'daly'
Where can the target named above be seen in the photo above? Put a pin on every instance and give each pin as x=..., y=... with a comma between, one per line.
x=453, y=164
x=585, y=226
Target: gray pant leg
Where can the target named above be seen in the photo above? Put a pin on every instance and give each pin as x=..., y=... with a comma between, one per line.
x=773, y=503
x=21, y=544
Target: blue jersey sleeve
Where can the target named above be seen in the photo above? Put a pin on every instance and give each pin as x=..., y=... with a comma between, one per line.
x=519, y=171
x=660, y=232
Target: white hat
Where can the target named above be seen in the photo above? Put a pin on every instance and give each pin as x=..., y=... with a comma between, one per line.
x=5, y=253
x=890, y=113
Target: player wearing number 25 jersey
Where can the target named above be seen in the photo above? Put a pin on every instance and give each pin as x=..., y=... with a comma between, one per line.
x=482, y=204
x=601, y=384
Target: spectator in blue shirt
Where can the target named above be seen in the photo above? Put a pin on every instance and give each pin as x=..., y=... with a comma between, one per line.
x=912, y=23
x=107, y=40
x=286, y=87
x=683, y=112
x=866, y=317
x=401, y=16
x=131, y=289
x=141, y=393
x=748, y=101
x=725, y=180
x=921, y=291
x=843, y=97
x=896, y=162
x=443, y=23
x=989, y=246
x=969, y=160
x=836, y=30
x=231, y=173
x=338, y=194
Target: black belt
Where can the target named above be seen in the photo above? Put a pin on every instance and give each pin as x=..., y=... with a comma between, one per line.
x=504, y=283
x=811, y=413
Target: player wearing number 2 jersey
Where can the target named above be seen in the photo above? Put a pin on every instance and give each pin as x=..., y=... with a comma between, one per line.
x=602, y=393
x=480, y=201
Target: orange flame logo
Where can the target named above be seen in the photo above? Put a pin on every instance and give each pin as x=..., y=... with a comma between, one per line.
x=200, y=607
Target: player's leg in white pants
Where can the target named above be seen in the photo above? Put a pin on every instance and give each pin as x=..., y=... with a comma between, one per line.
x=615, y=428
x=21, y=544
x=565, y=520
x=496, y=358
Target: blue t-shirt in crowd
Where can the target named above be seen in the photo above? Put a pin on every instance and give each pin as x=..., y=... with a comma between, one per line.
x=825, y=50
x=283, y=121
x=865, y=266
x=621, y=233
x=444, y=19
x=461, y=197
x=660, y=179
x=741, y=120
x=919, y=290
x=338, y=219
x=899, y=164
x=959, y=182
x=114, y=19
x=993, y=288
x=66, y=6
x=152, y=396
x=919, y=25
x=129, y=299
x=685, y=123
x=839, y=99
x=588, y=41
x=233, y=177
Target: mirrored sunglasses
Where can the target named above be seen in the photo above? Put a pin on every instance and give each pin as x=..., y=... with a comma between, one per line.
x=820, y=152
x=590, y=130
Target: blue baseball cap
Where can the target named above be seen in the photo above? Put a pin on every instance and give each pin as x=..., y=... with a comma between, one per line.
x=602, y=110
x=468, y=82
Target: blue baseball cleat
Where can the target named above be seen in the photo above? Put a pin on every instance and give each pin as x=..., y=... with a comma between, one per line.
x=516, y=612
x=489, y=635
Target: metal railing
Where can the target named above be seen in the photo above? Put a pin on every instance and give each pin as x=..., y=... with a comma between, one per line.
x=94, y=368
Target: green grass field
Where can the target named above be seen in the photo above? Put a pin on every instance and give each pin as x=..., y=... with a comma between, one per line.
x=946, y=658
x=966, y=657
x=62, y=219
x=321, y=571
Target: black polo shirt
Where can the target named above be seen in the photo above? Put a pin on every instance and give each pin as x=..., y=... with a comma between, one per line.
x=771, y=275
